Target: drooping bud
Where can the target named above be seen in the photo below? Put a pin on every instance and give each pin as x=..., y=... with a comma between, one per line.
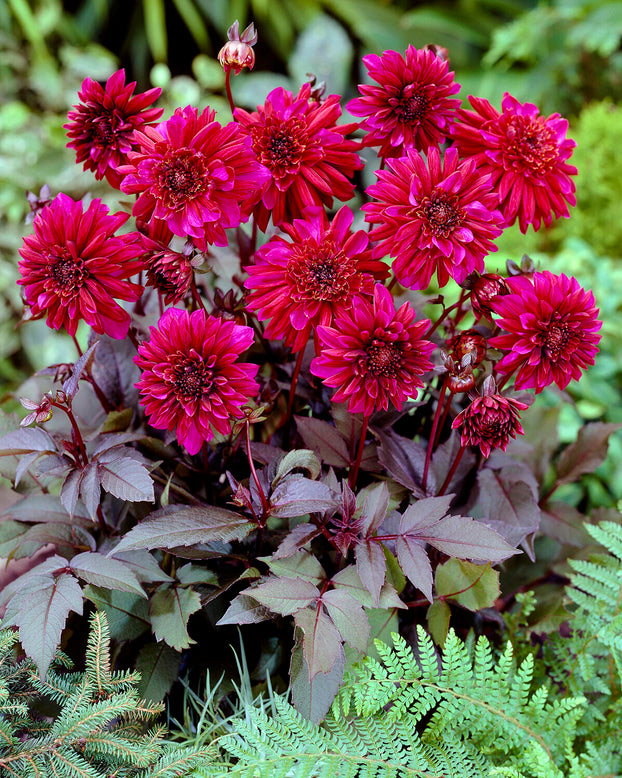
x=238, y=53
x=484, y=290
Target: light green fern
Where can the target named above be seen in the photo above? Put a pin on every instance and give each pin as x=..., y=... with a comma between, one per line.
x=101, y=728
x=467, y=713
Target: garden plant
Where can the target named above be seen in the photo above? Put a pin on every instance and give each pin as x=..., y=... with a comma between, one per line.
x=309, y=404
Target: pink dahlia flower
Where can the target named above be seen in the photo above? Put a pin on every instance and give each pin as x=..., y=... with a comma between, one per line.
x=101, y=126
x=412, y=107
x=191, y=380
x=73, y=266
x=303, y=282
x=198, y=177
x=438, y=218
x=490, y=421
x=309, y=159
x=551, y=330
x=374, y=355
x=525, y=154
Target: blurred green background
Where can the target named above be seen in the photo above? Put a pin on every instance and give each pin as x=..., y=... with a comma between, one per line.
x=563, y=55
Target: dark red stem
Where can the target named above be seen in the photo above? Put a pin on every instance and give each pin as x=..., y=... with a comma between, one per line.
x=432, y=438
x=452, y=471
x=359, y=455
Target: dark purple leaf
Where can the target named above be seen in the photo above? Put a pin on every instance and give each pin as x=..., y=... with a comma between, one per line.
x=245, y=610
x=375, y=506
x=70, y=386
x=423, y=514
x=349, y=617
x=26, y=440
x=302, y=564
x=90, y=490
x=564, y=523
x=463, y=537
x=349, y=580
x=126, y=479
x=70, y=491
x=322, y=645
x=415, y=563
x=324, y=439
x=284, y=595
x=586, y=453
x=52, y=564
x=25, y=464
x=295, y=540
x=313, y=698
x=108, y=573
x=158, y=665
x=371, y=566
x=144, y=565
x=44, y=507
x=442, y=460
x=107, y=440
x=297, y=496
x=114, y=370
x=404, y=460
x=185, y=527
x=66, y=538
x=298, y=459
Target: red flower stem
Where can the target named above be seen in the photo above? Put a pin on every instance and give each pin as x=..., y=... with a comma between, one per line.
x=359, y=455
x=392, y=284
x=75, y=340
x=161, y=303
x=452, y=471
x=292, y=390
x=132, y=336
x=432, y=438
x=443, y=419
x=196, y=296
x=76, y=431
x=228, y=89
x=102, y=521
x=264, y=502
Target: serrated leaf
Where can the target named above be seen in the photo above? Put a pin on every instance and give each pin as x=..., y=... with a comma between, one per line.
x=70, y=491
x=349, y=617
x=158, y=665
x=285, y=595
x=371, y=567
x=404, y=460
x=424, y=514
x=110, y=440
x=466, y=538
x=301, y=459
x=302, y=564
x=127, y=614
x=90, y=490
x=106, y=572
x=321, y=645
x=196, y=574
x=415, y=563
x=295, y=540
x=126, y=479
x=374, y=509
x=244, y=610
x=324, y=439
x=70, y=386
x=169, y=611
x=349, y=580
x=186, y=527
x=585, y=454
x=45, y=507
x=52, y=564
x=144, y=565
x=25, y=440
x=40, y=611
x=297, y=496
x=472, y=586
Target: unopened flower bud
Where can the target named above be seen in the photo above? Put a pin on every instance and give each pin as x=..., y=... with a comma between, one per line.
x=440, y=51
x=238, y=53
x=40, y=412
x=468, y=342
x=484, y=290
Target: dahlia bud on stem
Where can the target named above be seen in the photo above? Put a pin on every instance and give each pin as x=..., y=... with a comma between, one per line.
x=237, y=54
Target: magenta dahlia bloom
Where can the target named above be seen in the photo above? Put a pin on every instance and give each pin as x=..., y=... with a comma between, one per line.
x=412, y=107
x=490, y=421
x=303, y=282
x=525, y=154
x=169, y=271
x=309, y=159
x=438, y=218
x=374, y=355
x=551, y=330
x=101, y=126
x=198, y=177
x=73, y=267
x=191, y=380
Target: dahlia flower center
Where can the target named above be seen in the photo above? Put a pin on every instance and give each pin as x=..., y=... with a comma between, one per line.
x=440, y=214
x=182, y=175
x=282, y=146
x=68, y=273
x=412, y=105
x=322, y=273
x=383, y=359
x=555, y=339
x=190, y=376
x=103, y=130
x=531, y=145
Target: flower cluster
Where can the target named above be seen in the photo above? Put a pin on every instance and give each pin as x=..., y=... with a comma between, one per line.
x=450, y=181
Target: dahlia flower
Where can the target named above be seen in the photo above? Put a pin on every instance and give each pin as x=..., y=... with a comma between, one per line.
x=412, y=107
x=484, y=290
x=490, y=420
x=550, y=325
x=191, y=380
x=303, y=282
x=525, y=154
x=73, y=266
x=101, y=126
x=438, y=218
x=198, y=177
x=374, y=355
x=308, y=157
x=170, y=272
